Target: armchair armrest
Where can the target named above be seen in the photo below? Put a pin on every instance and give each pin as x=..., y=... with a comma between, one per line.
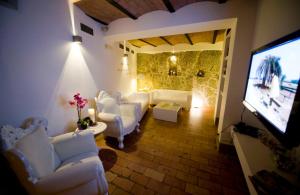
x=108, y=117
x=114, y=123
x=71, y=144
x=72, y=177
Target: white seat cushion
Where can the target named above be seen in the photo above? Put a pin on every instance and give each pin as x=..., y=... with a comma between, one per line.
x=80, y=159
x=37, y=148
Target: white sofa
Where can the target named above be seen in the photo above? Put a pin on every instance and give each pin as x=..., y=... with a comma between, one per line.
x=141, y=99
x=183, y=98
x=65, y=164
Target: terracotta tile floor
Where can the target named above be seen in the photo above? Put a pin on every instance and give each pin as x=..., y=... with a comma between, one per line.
x=172, y=158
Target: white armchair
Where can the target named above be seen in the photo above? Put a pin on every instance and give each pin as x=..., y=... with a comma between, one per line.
x=65, y=164
x=120, y=119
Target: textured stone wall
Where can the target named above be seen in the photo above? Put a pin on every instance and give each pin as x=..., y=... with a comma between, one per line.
x=153, y=69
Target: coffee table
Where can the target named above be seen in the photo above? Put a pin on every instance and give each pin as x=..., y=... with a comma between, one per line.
x=100, y=127
x=167, y=111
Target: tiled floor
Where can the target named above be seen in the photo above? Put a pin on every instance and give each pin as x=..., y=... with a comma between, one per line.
x=172, y=158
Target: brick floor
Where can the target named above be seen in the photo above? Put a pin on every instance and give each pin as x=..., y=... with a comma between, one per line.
x=172, y=158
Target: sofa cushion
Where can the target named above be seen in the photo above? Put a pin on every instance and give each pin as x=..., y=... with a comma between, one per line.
x=37, y=148
x=72, y=144
x=79, y=159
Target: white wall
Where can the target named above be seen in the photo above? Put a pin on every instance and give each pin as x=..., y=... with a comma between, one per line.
x=41, y=69
x=201, y=12
x=274, y=19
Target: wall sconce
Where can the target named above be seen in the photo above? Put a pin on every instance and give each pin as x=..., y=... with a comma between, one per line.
x=125, y=62
x=125, y=58
x=173, y=59
x=200, y=73
x=77, y=39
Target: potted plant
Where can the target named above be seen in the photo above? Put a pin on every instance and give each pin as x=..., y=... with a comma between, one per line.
x=80, y=104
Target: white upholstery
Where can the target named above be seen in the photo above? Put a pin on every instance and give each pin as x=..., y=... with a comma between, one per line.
x=34, y=122
x=120, y=119
x=183, y=98
x=37, y=148
x=11, y=135
x=141, y=99
x=72, y=144
x=72, y=159
x=109, y=105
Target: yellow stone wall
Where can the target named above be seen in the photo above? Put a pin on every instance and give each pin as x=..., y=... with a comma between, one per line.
x=152, y=72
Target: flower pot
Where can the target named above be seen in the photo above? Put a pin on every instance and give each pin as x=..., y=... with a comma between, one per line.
x=81, y=125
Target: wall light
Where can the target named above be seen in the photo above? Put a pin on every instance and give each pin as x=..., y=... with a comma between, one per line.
x=125, y=58
x=173, y=59
x=125, y=62
x=77, y=39
x=200, y=73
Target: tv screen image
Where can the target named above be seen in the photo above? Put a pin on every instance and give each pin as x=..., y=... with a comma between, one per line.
x=273, y=81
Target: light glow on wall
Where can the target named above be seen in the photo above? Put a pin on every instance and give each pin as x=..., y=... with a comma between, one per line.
x=75, y=77
x=71, y=9
x=133, y=85
x=125, y=63
x=198, y=100
x=173, y=59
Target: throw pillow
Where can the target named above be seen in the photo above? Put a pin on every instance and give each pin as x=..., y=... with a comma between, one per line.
x=37, y=148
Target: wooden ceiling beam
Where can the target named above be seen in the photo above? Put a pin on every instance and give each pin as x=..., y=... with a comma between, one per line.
x=147, y=42
x=214, y=37
x=222, y=1
x=166, y=40
x=97, y=20
x=169, y=5
x=122, y=9
x=135, y=45
x=189, y=39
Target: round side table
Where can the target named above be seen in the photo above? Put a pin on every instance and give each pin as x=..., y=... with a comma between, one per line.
x=100, y=127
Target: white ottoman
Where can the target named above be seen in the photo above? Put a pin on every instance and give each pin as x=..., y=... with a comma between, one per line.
x=166, y=111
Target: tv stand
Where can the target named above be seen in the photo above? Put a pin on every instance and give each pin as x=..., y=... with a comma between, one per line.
x=255, y=156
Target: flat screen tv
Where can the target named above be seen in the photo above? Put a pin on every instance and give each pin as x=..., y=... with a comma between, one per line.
x=272, y=90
